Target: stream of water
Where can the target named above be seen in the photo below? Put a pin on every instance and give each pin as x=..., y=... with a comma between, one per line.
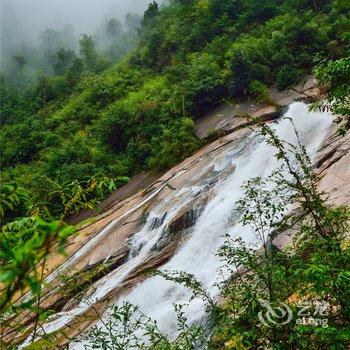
x=253, y=157
x=156, y=296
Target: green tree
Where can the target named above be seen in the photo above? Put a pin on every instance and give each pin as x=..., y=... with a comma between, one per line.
x=64, y=59
x=74, y=72
x=19, y=60
x=132, y=23
x=175, y=144
x=336, y=74
x=113, y=29
x=88, y=52
x=150, y=14
x=50, y=42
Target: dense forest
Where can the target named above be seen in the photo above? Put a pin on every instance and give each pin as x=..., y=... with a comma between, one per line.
x=80, y=117
x=110, y=113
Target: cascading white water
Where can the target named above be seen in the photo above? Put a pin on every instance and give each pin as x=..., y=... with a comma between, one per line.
x=252, y=158
x=156, y=296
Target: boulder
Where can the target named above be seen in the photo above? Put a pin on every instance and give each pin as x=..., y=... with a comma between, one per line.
x=224, y=118
x=307, y=83
x=314, y=93
x=333, y=167
x=267, y=113
x=185, y=220
x=283, y=98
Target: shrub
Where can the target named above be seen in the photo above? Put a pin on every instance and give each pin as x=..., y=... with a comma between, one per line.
x=176, y=142
x=259, y=91
x=287, y=76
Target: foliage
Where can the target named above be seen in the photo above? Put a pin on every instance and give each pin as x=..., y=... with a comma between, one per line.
x=128, y=328
x=263, y=278
x=100, y=110
x=19, y=149
x=29, y=236
x=64, y=60
x=336, y=74
x=25, y=243
x=76, y=123
x=175, y=144
x=287, y=76
x=92, y=61
x=258, y=91
x=14, y=201
x=72, y=197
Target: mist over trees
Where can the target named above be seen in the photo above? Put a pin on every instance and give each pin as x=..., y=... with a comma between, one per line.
x=44, y=37
x=93, y=93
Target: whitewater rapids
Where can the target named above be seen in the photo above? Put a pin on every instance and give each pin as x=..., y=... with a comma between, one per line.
x=253, y=157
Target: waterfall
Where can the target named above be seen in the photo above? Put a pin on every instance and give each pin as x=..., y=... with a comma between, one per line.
x=156, y=296
x=250, y=157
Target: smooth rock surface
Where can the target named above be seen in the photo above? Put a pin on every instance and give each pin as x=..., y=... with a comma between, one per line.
x=106, y=237
x=232, y=115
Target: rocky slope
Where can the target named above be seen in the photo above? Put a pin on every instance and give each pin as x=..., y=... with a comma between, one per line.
x=110, y=256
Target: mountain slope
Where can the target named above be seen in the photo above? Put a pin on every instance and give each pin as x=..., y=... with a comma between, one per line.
x=139, y=114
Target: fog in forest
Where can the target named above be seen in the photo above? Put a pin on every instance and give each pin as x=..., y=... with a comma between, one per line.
x=33, y=31
x=24, y=19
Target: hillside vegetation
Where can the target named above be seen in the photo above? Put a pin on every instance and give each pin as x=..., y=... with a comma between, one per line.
x=78, y=123
x=92, y=118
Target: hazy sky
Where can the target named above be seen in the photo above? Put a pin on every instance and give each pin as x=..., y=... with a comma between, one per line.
x=32, y=16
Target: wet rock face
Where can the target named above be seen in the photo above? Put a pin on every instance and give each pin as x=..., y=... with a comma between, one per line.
x=157, y=222
x=114, y=261
x=228, y=118
x=309, y=91
x=333, y=167
x=185, y=220
x=177, y=228
x=114, y=229
x=106, y=240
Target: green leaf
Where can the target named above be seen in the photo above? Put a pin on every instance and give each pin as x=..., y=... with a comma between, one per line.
x=66, y=232
x=7, y=276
